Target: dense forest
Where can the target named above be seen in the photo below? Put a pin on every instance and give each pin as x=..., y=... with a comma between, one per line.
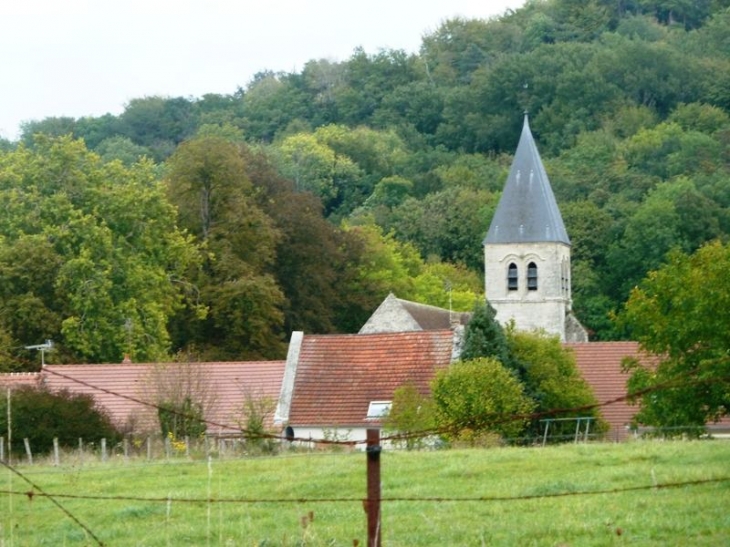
x=211, y=227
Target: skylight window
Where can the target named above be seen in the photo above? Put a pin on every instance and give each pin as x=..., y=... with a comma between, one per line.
x=378, y=409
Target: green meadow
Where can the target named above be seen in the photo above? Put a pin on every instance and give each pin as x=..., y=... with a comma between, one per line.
x=637, y=493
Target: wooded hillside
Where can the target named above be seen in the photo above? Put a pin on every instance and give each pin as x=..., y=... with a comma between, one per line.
x=214, y=226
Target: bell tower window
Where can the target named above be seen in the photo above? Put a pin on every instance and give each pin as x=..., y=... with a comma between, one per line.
x=512, y=277
x=532, y=276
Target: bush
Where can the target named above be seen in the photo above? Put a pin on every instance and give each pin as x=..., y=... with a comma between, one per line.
x=554, y=382
x=477, y=397
x=41, y=415
x=178, y=421
x=411, y=415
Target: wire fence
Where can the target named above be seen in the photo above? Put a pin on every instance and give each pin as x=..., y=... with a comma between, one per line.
x=36, y=490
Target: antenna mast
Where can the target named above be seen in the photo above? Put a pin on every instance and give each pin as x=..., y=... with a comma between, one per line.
x=43, y=348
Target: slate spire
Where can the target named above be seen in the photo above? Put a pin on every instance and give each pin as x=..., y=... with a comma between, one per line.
x=527, y=211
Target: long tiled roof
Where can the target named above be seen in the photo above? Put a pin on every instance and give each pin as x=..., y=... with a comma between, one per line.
x=339, y=375
x=600, y=365
x=123, y=389
x=17, y=379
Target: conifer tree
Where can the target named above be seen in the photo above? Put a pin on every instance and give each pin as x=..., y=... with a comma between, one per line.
x=485, y=337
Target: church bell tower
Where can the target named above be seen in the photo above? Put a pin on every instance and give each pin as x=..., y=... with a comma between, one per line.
x=527, y=251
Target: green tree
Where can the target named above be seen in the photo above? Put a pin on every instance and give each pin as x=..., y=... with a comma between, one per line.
x=207, y=181
x=680, y=314
x=314, y=167
x=411, y=416
x=271, y=102
x=484, y=336
x=477, y=397
x=105, y=263
x=447, y=286
x=50, y=127
x=159, y=123
x=448, y=224
x=388, y=265
x=122, y=149
x=554, y=382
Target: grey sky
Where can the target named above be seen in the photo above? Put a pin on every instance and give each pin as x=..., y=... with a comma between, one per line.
x=89, y=57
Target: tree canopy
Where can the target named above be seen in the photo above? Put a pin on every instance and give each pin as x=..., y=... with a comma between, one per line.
x=681, y=313
x=395, y=154
x=90, y=254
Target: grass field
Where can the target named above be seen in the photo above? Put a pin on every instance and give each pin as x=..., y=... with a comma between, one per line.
x=519, y=496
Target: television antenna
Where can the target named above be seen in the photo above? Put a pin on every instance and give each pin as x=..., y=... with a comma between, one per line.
x=43, y=348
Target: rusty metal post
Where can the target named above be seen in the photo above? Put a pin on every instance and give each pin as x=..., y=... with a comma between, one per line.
x=372, y=503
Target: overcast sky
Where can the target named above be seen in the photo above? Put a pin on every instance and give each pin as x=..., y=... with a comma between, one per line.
x=89, y=57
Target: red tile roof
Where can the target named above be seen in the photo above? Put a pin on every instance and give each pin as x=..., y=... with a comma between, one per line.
x=17, y=379
x=122, y=389
x=600, y=365
x=339, y=375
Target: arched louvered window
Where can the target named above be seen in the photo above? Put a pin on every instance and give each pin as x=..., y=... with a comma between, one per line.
x=512, y=277
x=532, y=276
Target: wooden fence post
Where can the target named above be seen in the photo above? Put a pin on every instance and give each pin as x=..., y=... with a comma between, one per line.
x=56, y=453
x=103, y=450
x=26, y=441
x=372, y=504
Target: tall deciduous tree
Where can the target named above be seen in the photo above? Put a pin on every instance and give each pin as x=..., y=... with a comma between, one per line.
x=316, y=290
x=681, y=313
x=207, y=181
x=90, y=254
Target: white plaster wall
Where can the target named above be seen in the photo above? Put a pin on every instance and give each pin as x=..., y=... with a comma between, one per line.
x=308, y=436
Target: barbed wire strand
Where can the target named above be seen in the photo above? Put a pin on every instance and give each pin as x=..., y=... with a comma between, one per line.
x=438, y=499
x=38, y=491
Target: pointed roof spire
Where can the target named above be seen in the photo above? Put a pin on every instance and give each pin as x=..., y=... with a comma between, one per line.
x=527, y=211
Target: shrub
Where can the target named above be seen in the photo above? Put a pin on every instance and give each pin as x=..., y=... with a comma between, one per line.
x=41, y=415
x=257, y=411
x=411, y=415
x=180, y=420
x=479, y=396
